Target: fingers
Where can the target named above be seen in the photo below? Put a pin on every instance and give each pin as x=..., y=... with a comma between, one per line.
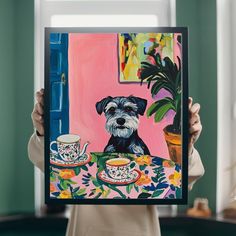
x=38, y=121
x=39, y=127
x=196, y=128
x=39, y=109
x=190, y=102
x=36, y=116
x=194, y=119
x=195, y=108
x=40, y=97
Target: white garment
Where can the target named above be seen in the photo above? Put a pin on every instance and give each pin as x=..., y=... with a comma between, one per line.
x=112, y=220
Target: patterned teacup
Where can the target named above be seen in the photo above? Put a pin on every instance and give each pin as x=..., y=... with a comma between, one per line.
x=119, y=168
x=68, y=147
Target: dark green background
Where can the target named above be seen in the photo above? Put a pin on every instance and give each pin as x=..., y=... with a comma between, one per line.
x=16, y=95
x=200, y=17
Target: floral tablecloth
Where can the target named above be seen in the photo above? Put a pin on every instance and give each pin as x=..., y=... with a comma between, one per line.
x=157, y=178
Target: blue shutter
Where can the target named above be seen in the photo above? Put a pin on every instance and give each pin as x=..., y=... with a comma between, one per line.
x=59, y=101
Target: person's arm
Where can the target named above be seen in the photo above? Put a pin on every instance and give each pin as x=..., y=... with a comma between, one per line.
x=195, y=166
x=36, y=142
x=36, y=150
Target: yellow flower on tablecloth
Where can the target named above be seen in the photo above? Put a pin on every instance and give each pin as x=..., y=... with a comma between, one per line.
x=175, y=179
x=65, y=194
x=143, y=180
x=98, y=190
x=105, y=193
x=52, y=188
x=143, y=160
x=67, y=173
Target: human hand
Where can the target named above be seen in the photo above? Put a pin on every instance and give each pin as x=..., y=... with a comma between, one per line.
x=37, y=114
x=195, y=126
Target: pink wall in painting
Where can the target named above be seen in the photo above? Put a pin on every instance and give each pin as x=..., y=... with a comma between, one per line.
x=93, y=75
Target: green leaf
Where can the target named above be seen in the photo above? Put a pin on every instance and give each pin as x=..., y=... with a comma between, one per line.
x=160, y=113
x=95, y=182
x=84, y=168
x=90, y=163
x=154, y=179
x=94, y=157
x=178, y=80
x=129, y=188
x=136, y=188
x=77, y=170
x=64, y=184
x=162, y=178
x=156, y=87
x=76, y=189
x=156, y=106
x=56, y=194
x=144, y=195
x=144, y=190
x=157, y=192
x=142, y=167
x=81, y=191
x=52, y=178
x=69, y=181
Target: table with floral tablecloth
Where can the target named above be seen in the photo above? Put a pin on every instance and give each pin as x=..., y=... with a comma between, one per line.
x=156, y=178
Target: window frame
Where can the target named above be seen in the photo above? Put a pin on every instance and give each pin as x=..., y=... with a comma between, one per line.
x=226, y=114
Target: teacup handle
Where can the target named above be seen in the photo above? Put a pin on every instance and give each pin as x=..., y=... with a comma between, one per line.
x=53, y=151
x=132, y=165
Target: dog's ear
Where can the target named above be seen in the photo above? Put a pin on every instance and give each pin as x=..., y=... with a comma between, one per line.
x=141, y=104
x=100, y=106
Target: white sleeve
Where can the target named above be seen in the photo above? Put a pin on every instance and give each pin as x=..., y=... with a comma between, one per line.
x=36, y=151
x=195, y=168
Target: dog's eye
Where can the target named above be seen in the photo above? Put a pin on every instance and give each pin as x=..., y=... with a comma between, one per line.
x=112, y=110
x=128, y=109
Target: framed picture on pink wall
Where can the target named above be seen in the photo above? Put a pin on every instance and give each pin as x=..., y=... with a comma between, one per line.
x=116, y=115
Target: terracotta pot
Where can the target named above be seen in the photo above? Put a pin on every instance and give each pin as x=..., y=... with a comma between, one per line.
x=174, y=141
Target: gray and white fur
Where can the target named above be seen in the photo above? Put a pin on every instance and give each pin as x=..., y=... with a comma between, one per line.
x=122, y=121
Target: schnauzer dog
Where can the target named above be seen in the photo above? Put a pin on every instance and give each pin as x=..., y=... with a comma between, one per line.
x=122, y=119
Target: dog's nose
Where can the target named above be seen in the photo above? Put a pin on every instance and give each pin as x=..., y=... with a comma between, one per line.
x=120, y=121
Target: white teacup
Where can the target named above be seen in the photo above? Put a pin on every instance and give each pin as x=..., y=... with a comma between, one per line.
x=68, y=147
x=119, y=168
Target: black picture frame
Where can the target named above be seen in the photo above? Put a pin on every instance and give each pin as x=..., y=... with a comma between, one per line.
x=184, y=32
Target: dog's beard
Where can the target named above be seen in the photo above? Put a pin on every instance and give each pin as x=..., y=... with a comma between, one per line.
x=122, y=131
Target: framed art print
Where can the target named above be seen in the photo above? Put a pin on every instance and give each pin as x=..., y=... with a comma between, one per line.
x=116, y=115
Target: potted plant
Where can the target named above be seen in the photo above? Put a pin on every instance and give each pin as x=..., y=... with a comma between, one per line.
x=165, y=74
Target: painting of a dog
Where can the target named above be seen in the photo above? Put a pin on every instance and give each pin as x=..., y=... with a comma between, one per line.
x=122, y=120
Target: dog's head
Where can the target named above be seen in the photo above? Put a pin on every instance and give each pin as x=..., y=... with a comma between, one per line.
x=121, y=114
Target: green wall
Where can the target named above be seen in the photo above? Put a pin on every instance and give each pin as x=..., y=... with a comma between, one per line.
x=7, y=98
x=16, y=94
x=200, y=17
x=24, y=81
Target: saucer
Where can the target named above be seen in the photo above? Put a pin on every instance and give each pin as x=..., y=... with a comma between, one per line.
x=134, y=176
x=57, y=161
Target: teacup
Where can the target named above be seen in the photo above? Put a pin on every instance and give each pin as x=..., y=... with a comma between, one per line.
x=119, y=168
x=68, y=147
